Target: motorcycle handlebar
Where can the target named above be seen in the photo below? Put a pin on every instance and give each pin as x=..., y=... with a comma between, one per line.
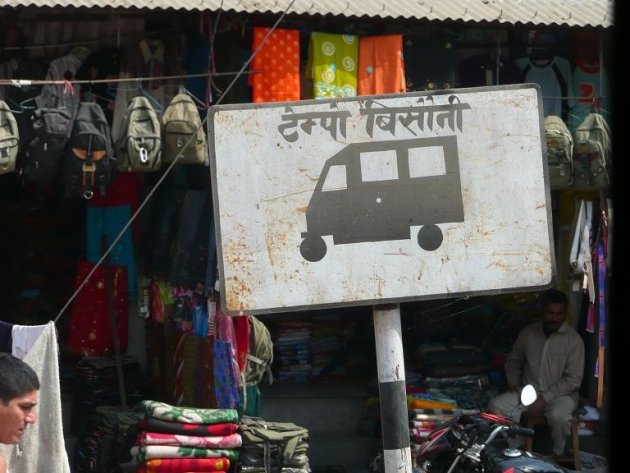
x=524, y=431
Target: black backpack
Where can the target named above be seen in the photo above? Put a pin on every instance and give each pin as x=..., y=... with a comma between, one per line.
x=42, y=156
x=90, y=162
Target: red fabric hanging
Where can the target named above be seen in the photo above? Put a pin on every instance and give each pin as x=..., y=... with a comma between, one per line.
x=90, y=327
x=381, y=66
x=278, y=66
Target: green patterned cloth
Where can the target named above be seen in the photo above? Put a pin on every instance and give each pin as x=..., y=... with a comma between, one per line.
x=188, y=415
x=147, y=452
x=334, y=62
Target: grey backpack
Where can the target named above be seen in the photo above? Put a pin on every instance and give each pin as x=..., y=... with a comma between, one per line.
x=139, y=148
x=592, y=154
x=9, y=139
x=182, y=132
x=559, y=152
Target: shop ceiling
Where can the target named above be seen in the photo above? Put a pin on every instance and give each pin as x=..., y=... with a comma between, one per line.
x=572, y=13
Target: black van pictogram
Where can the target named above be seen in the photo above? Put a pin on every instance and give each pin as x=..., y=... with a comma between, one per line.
x=377, y=191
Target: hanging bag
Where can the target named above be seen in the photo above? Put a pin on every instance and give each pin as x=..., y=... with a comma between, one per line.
x=140, y=146
x=44, y=153
x=592, y=162
x=559, y=152
x=90, y=161
x=183, y=134
x=9, y=139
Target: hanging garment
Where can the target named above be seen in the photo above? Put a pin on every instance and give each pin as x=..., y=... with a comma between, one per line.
x=24, y=337
x=333, y=65
x=90, y=331
x=381, y=65
x=122, y=190
x=591, y=87
x=278, y=66
x=63, y=68
x=42, y=447
x=109, y=221
x=225, y=378
x=184, y=369
x=191, y=241
x=204, y=379
x=554, y=77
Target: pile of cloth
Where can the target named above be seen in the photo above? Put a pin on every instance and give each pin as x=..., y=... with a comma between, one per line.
x=280, y=447
x=185, y=439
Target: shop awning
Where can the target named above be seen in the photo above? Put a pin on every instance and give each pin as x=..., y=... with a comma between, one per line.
x=583, y=13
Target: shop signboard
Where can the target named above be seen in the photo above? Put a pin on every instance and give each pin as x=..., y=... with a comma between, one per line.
x=380, y=199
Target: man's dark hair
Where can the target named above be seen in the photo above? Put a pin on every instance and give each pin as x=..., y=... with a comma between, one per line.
x=16, y=378
x=553, y=296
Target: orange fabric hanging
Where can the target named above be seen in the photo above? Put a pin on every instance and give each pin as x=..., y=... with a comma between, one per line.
x=381, y=65
x=278, y=63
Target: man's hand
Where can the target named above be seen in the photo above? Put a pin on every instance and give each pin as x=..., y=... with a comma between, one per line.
x=515, y=389
x=537, y=407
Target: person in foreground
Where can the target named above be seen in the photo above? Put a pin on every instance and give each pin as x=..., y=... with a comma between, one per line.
x=18, y=397
x=550, y=356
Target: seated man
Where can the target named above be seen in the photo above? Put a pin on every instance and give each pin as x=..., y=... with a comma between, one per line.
x=550, y=356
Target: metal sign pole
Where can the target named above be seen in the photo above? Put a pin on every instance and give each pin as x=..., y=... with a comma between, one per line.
x=391, y=385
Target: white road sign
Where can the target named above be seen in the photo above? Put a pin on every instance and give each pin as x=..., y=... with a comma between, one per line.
x=378, y=199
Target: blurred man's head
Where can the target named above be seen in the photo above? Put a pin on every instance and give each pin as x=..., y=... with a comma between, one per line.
x=554, y=306
x=18, y=397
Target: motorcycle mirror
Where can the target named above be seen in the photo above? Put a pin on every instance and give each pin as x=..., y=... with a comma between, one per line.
x=528, y=395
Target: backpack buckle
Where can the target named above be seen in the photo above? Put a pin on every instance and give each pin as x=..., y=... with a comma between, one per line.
x=88, y=167
x=144, y=155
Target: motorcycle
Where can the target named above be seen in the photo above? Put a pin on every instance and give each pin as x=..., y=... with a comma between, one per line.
x=477, y=444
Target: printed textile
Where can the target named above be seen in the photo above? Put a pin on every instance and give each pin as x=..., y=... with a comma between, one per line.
x=152, y=424
x=157, y=438
x=192, y=415
x=90, y=331
x=147, y=452
x=178, y=465
x=381, y=66
x=277, y=64
x=225, y=378
x=333, y=60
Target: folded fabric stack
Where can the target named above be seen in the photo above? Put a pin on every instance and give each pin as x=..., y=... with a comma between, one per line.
x=292, y=344
x=272, y=446
x=185, y=439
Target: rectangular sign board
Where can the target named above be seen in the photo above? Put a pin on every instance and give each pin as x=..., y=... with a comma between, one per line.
x=380, y=199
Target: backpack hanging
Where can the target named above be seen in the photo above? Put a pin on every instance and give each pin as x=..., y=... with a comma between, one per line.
x=139, y=148
x=9, y=139
x=90, y=161
x=559, y=152
x=43, y=154
x=260, y=353
x=183, y=134
x=592, y=161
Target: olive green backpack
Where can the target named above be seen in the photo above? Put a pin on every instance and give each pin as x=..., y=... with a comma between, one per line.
x=182, y=132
